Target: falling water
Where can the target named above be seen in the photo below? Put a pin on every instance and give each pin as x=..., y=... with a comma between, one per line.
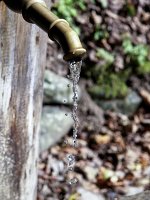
x=75, y=69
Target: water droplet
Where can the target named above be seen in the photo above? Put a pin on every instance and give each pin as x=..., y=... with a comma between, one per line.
x=75, y=138
x=71, y=159
x=65, y=142
x=73, y=181
x=75, y=98
x=75, y=144
x=75, y=135
x=70, y=168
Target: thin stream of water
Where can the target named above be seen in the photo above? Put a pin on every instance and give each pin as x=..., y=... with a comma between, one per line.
x=75, y=69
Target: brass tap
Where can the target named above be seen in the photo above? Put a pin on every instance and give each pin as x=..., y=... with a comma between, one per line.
x=36, y=11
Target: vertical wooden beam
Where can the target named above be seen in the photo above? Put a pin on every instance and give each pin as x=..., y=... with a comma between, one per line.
x=22, y=61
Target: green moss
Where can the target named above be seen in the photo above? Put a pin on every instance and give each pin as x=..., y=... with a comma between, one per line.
x=105, y=55
x=138, y=56
x=108, y=91
x=144, y=68
x=68, y=9
x=104, y=3
x=108, y=84
x=100, y=33
x=111, y=84
x=114, y=85
x=74, y=196
x=131, y=10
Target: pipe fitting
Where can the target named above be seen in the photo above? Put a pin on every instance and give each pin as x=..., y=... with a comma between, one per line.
x=26, y=7
x=36, y=11
x=61, y=32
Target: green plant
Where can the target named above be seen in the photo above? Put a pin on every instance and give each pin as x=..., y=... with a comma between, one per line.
x=108, y=84
x=105, y=55
x=100, y=33
x=106, y=59
x=130, y=8
x=74, y=196
x=68, y=9
x=104, y=3
x=139, y=56
x=113, y=84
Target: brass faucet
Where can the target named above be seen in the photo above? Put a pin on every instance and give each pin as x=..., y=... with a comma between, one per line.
x=36, y=11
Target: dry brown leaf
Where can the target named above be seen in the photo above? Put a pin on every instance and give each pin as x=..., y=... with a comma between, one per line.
x=145, y=95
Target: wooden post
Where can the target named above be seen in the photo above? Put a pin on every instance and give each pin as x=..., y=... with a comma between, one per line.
x=22, y=61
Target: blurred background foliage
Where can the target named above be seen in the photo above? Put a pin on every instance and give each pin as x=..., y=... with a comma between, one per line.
x=114, y=100
x=115, y=54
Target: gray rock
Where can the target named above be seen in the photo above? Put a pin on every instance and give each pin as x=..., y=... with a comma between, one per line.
x=88, y=195
x=46, y=190
x=54, y=125
x=56, y=89
x=131, y=190
x=125, y=106
x=141, y=196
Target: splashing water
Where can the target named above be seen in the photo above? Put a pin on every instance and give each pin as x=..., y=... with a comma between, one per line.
x=75, y=69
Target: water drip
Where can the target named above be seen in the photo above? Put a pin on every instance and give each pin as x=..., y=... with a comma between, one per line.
x=75, y=69
x=73, y=181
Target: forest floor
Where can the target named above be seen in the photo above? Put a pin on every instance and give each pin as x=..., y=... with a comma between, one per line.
x=112, y=157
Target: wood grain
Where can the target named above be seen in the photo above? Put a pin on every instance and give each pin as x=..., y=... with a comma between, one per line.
x=22, y=61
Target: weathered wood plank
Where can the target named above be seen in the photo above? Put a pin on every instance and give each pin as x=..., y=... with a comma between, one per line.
x=22, y=61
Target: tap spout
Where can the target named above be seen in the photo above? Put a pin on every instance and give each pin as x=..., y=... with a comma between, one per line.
x=36, y=11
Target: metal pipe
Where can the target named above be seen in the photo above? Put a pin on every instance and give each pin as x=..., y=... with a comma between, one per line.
x=36, y=11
